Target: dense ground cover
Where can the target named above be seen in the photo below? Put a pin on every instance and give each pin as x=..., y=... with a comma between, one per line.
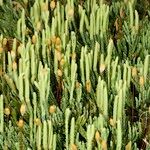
x=75, y=74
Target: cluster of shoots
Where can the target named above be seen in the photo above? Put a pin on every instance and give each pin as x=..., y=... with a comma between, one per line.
x=70, y=82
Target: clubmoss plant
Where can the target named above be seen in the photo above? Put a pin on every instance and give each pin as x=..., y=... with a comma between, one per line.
x=74, y=75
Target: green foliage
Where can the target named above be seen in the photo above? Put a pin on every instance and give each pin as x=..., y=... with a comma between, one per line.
x=75, y=76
